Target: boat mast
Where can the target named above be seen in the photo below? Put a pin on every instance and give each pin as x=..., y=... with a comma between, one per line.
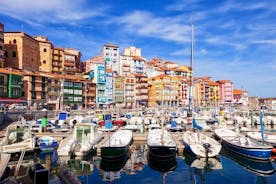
x=189, y=114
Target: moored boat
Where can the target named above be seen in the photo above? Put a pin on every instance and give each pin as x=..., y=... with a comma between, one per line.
x=117, y=145
x=243, y=145
x=47, y=143
x=200, y=144
x=269, y=139
x=161, y=144
x=17, y=139
x=257, y=167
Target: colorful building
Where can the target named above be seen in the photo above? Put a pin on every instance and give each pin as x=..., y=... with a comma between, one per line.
x=111, y=55
x=119, y=91
x=141, y=90
x=109, y=87
x=125, y=65
x=58, y=60
x=130, y=91
x=164, y=91
x=226, y=91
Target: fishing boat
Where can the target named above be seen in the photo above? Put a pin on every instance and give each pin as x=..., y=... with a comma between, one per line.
x=86, y=135
x=269, y=139
x=47, y=143
x=261, y=168
x=17, y=139
x=174, y=127
x=66, y=146
x=81, y=143
x=243, y=145
x=117, y=145
x=200, y=144
x=161, y=144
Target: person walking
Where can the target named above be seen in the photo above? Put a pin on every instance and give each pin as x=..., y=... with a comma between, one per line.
x=44, y=123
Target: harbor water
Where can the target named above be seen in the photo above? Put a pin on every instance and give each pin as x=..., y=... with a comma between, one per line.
x=138, y=167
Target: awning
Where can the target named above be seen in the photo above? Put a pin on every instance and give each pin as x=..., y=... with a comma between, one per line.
x=12, y=100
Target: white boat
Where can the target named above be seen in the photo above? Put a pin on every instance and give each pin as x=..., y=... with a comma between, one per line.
x=161, y=143
x=243, y=145
x=268, y=138
x=86, y=135
x=133, y=128
x=117, y=145
x=200, y=144
x=66, y=146
x=17, y=139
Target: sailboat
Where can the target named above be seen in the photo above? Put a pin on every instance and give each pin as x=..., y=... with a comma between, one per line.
x=267, y=138
x=161, y=144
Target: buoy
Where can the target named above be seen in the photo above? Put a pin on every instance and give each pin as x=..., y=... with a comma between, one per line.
x=274, y=150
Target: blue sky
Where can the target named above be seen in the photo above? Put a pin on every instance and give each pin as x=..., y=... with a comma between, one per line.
x=234, y=39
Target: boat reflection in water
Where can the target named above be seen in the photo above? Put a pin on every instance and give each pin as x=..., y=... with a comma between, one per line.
x=162, y=165
x=111, y=168
x=260, y=168
x=202, y=165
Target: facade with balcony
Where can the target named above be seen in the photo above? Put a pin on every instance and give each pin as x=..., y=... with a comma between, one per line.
x=226, y=91
x=141, y=92
x=111, y=55
x=130, y=91
x=164, y=91
x=119, y=88
x=58, y=61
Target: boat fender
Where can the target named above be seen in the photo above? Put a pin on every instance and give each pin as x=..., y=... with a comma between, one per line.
x=73, y=145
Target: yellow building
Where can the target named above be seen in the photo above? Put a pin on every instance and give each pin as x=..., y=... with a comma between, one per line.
x=119, y=88
x=58, y=60
x=206, y=92
x=22, y=51
x=130, y=91
x=164, y=91
x=46, y=53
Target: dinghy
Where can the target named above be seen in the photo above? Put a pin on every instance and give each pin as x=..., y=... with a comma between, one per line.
x=200, y=144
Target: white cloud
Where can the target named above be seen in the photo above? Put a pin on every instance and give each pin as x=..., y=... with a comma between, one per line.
x=39, y=12
x=273, y=42
x=145, y=24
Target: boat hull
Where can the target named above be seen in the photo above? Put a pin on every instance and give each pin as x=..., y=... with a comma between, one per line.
x=114, y=152
x=254, y=153
x=165, y=152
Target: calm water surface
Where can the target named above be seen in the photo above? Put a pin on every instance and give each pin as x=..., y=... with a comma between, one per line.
x=139, y=168
x=228, y=168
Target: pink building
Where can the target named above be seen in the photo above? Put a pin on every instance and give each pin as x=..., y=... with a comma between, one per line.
x=95, y=60
x=226, y=91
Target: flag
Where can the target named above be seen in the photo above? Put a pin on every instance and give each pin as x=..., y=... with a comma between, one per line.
x=195, y=125
x=262, y=127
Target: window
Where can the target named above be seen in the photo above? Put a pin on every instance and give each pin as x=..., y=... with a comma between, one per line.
x=44, y=62
x=6, y=54
x=45, y=50
x=14, y=41
x=13, y=54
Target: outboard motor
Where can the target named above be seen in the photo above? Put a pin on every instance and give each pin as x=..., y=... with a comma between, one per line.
x=207, y=148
